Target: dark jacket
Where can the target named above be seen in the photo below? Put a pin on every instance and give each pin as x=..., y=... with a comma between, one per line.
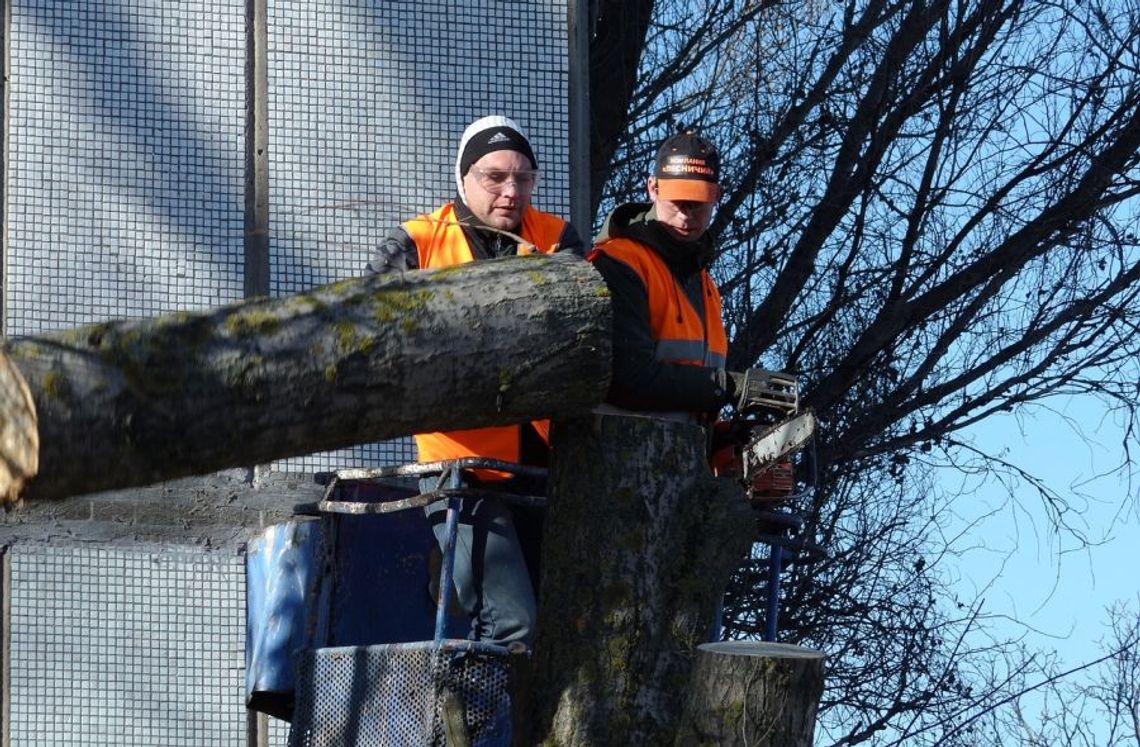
x=640, y=382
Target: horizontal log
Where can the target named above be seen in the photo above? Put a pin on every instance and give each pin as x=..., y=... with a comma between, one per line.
x=129, y=403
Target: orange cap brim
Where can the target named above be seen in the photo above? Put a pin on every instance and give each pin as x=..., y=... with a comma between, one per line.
x=687, y=190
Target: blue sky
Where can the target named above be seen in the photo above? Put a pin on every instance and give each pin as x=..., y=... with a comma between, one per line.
x=1040, y=577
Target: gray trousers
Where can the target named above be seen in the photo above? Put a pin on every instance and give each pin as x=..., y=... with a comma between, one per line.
x=491, y=575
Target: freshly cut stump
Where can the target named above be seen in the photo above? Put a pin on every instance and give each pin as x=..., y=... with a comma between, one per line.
x=752, y=693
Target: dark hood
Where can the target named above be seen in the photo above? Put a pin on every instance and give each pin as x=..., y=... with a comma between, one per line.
x=638, y=221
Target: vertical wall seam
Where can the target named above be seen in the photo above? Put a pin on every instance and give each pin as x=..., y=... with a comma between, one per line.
x=257, y=209
x=5, y=646
x=5, y=78
x=257, y=150
x=578, y=105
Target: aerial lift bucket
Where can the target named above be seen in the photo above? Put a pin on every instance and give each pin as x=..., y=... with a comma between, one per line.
x=442, y=691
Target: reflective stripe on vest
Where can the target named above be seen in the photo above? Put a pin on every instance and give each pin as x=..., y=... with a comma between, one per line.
x=681, y=334
x=688, y=350
x=440, y=242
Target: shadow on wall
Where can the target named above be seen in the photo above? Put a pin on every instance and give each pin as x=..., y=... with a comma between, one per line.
x=363, y=117
x=158, y=165
x=355, y=155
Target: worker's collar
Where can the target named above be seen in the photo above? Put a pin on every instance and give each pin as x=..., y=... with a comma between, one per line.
x=486, y=242
x=683, y=256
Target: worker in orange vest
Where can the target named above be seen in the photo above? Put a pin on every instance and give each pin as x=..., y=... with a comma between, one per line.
x=496, y=561
x=670, y=345
x=669, y=340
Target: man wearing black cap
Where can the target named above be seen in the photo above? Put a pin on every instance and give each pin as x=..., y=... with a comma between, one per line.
x=495, y=175
x=669, y=340
x=491, y=216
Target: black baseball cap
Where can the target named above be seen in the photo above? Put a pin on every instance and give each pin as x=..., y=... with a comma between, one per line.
x=687, y=168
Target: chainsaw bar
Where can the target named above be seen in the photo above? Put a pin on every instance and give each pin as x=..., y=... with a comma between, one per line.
x=776, y=442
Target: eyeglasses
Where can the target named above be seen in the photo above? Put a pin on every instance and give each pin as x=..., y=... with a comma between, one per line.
x=495, y=181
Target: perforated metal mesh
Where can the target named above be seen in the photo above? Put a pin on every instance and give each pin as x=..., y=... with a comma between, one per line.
x=395, y=695
x=367, y=102
x=126, y=647
x=125, y=159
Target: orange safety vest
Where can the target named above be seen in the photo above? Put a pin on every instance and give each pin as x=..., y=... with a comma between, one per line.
x=681, y=334
x=440, y=242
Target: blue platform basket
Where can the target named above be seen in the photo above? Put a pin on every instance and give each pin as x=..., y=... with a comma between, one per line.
x=347, y=635
x=334, y=580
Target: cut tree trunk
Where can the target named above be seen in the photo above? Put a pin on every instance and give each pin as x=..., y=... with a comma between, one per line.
x=752, y=693
x=19, y=438
x=131, y=403
x=639, y=544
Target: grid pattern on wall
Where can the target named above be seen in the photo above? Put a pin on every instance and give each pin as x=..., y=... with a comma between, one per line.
x=367, y=103
x=126, y=647
x=126, y=184
x=125, y=160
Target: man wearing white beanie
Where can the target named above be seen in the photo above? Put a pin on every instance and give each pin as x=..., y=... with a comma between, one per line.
x=495, y=175
x=497, y=547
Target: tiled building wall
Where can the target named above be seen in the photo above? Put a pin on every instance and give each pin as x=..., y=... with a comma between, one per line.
x=125, y=191
x=133, y=647
x=125, y=160
x=367, y=102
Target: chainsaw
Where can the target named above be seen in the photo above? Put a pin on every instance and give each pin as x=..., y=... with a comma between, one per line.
x=765, y=431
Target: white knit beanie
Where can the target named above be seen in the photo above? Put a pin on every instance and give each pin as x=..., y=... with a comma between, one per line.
x=502, y=133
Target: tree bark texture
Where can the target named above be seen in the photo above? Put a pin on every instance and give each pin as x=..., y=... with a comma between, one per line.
x=752, y=693
x=19, y=438
x=129, y=403
x=646, y=538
